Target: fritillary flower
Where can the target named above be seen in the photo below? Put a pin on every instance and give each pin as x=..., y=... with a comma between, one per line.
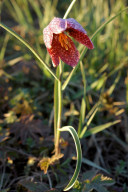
x=60, y=45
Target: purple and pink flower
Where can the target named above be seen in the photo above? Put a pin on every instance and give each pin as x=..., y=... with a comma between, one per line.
x=60, y=45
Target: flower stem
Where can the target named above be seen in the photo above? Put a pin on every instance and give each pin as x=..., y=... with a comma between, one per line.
x=69, y=9
x=59, y=108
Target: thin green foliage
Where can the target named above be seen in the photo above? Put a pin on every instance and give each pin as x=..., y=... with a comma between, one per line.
x=82, y=115
x=3, y=49
x=112, y=88
x=29, y=47
x=92, y=164
x=83, y=102
x=79, y=155
x=88, y=123
x=85, y=49
x=98, y=128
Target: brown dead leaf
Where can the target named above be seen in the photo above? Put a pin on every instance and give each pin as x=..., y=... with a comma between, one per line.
x=55, y=158
x=29, y=127
x=63, y=143
x=45, y=162
x=110, y=106
x=23, y=108
x=3, y=138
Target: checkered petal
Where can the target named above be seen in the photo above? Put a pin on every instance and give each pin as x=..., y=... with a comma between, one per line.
x=54, y=56
x=81, y=38
x=73, y=24
x=47, y=36
x=70, y=56
x=58, y=25
x=76, y=31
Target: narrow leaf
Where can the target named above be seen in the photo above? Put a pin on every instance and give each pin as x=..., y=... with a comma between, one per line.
x=99, y=128
x=92, y=164
x=29, y=47
x=83, y=102
x=82, y=115
x=111, y=89
x=79, y=155
x=88, y=123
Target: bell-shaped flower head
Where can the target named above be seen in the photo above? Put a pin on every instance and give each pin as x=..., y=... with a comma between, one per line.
x=60, y=45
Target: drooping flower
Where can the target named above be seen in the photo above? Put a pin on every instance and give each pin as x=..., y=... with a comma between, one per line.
x=60, y=45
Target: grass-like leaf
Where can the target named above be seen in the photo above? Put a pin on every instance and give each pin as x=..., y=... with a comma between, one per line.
x=79, y=155
x=83, y=102
x=81, y=135
x=99, y=128
x=92, y=164
x=29, y=47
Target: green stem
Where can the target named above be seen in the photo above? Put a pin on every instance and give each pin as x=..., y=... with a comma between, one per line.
x=69, y=9
x=59, y=111
x=55, y=104
x=29, y=47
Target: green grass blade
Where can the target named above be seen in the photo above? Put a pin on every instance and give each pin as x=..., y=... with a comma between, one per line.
x=83, y=102
x=81, y=135
x=10, y=7
x=113, y=86
x=99, y=128
x=82, y=115
x=69, y=9
x=19, y=12
x=3, y=49
x=29, y=47
x=83, y=77
x=92, y=164
x=85, y=48
x=27, y=12
x=119, y=67
x=92, y=110
x=36, y=7
x=117, y=139
x=79, y=155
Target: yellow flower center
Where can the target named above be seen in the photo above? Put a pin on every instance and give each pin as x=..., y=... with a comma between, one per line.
x=64, y=41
